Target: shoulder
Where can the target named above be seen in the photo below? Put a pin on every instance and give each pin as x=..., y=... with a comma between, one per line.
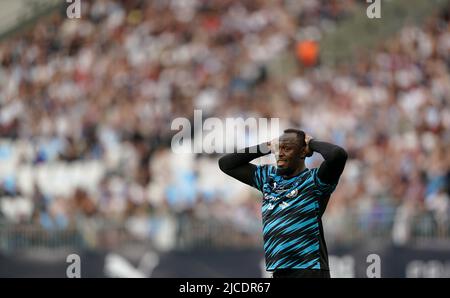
x=265, y=170
x=262, y=174
x=321, y=185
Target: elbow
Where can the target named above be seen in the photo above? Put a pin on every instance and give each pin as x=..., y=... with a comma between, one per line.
x=221, y=163
x=340, y=154
x=227, y=164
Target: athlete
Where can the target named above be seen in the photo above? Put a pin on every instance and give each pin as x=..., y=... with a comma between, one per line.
x=294, y=200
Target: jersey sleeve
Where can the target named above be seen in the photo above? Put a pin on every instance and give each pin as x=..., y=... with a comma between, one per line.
x=260, y=177
x=324, y=188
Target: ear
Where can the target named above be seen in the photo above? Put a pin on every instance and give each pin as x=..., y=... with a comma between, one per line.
x=308, y=152
x=303, y=152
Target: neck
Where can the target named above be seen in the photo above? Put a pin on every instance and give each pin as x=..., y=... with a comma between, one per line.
x=296, y=172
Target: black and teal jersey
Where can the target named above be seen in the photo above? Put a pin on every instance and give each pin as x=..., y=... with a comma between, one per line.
x=291, y=214
x=292, y=207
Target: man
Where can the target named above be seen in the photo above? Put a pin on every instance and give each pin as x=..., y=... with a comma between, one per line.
x=295, y=199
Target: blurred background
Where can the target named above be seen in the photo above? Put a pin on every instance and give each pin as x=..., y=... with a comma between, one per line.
x=86, y=107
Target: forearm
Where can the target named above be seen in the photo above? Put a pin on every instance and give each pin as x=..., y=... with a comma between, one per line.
x=335, y=158
x=330, y=152
x=238, y=166
x=234, y=160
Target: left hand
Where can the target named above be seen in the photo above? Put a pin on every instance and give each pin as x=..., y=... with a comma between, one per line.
x=308, y=150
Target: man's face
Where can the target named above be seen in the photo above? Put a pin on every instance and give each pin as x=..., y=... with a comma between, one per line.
x=289, y=153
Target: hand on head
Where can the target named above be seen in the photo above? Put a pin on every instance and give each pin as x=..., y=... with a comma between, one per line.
x=308, y=138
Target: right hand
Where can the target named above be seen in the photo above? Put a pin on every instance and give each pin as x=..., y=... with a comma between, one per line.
x=273, y=145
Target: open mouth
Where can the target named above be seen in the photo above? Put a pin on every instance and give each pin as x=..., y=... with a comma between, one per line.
x=281, y=163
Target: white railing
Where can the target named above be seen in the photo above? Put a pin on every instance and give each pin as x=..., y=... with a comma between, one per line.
x=211, y=233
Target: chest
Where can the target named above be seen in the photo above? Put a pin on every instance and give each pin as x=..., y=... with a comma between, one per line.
x=280, y=196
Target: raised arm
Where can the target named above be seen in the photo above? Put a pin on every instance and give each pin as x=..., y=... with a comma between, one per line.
x=238, y=165
x=335, y=158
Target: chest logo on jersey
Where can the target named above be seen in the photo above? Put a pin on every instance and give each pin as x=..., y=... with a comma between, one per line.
x=292, y=193
x=270, y=198
x=277, y=188
x=284, y=205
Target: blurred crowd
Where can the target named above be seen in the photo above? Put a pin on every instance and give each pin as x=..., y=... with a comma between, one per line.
x=86, y=107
